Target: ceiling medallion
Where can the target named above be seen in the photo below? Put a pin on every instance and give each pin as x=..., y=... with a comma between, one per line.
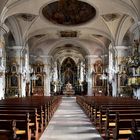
x=68, y=33
x=69, y=12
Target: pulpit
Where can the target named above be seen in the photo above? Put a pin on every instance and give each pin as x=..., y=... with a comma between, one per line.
x=68, y=90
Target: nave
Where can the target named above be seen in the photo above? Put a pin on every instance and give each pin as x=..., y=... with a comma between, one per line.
x=89, y=49
x=70, y=122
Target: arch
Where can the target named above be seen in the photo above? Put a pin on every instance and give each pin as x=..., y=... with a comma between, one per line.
x=14, y=27
x=135, y=30
x=64, y=42
x=69, y=71
x=10, y=40
x=122, y=29
x=133, y=10
x=106, y=34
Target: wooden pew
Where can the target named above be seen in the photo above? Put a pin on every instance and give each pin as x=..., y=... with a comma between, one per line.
x=92, y=105
x=35, y=115
x=45, y=108
x=42, y=110
x=20, y=127
x=50, y=102
x=96, y=108
x=107, y=117
x=123, y=125
x=135, y=129
x=109, y=120
x=7, y=129
x=34, y=119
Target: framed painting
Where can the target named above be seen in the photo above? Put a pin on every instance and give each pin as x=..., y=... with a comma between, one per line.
x=14, y=81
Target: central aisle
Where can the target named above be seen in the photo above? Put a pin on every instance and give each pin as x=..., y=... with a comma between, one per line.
x=70, y=123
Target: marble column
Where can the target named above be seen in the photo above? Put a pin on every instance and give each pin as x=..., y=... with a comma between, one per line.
x=47, y=78
x=81, y=72
x=2, y=79
x=91, y=59
x=2, y=61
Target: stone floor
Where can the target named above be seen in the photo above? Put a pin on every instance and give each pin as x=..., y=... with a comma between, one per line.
x=70, y=123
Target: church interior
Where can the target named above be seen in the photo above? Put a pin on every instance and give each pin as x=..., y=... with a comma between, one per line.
x=81, y=54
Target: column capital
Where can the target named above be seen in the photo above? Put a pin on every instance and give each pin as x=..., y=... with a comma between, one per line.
x=122, y=47
x=91, y=56
x=15, y=48
x=123, y=51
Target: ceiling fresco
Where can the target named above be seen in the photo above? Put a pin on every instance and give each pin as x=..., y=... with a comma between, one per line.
x=69, y=12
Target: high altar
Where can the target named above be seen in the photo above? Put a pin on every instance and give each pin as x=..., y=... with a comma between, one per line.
x=68, y=90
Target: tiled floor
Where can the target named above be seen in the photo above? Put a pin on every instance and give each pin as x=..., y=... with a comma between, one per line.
x=70, y=123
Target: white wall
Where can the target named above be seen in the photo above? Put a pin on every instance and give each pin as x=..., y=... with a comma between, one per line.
x=2, y=87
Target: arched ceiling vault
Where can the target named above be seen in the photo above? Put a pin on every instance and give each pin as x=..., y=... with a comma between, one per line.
x=112, y=21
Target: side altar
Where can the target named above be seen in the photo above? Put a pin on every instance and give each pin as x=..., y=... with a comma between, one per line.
x=68, y=90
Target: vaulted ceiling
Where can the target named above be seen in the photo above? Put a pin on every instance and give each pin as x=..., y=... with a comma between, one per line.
x=112, y=21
